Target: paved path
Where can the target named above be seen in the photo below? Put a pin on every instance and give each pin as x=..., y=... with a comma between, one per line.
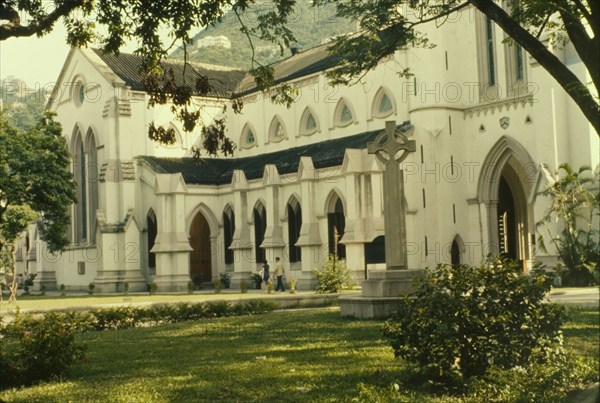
x=586, y=296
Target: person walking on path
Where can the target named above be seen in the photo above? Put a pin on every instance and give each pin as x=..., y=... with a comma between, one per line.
x=279, y=274
x=265, y=274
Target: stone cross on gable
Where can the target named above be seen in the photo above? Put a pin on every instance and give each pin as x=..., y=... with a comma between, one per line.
x=392, y=147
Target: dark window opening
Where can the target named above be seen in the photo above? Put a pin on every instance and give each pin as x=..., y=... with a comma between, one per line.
x=294, y=225
x=228, y=231
x=260, y=226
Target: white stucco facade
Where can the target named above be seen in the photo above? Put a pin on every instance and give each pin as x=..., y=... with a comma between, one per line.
x=482, y=151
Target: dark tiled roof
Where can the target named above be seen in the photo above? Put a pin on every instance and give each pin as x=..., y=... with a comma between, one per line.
x=223, y=80
x=302, y=64
x=218, y=171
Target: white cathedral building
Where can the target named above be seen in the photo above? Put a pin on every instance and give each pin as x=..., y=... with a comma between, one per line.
x=491, y=127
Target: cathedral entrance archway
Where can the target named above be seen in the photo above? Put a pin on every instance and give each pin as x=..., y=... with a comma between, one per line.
x=200, y=256
x=508, y=175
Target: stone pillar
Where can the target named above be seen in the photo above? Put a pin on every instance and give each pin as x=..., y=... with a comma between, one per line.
x=243, y=262
x=44, y=277
x=310, y=239
x=172, y=246
x=274, y=243
x=354, y=234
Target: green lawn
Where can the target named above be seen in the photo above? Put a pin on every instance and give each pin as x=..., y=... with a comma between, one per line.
x=295, y=356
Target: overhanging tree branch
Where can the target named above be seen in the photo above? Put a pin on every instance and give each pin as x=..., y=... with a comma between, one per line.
x=16, y=30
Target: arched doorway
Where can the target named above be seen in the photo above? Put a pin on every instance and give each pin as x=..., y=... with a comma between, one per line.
x=200, y=256
x=508, y=175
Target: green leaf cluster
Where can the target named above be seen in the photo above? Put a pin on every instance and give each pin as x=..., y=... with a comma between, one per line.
x=35, y=182
x=462, y=321
x=333, y=276
x=575, y=206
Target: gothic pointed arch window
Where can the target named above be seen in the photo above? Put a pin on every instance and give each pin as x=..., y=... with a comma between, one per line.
x=86, y=177
x=248, y=138
x=344, y=114
x=486, y=50
x=294, y=215
x=277, y=130
x=383, y=104
x=515, y=57
x=152, y=231
x=308, y=122
x=228, y=231
x=80, y=212
x=259, y=215
x=456, y=251
x=92, y=182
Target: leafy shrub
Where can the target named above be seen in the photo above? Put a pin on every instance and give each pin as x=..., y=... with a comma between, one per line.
x=190, y=311
x=256, y=280
x=7, y=372
x=333, y=277
x=257, y=307
x=41, y=348
x=218, y=286
x=225, y=279
x=217, y=309
x=28, y=283
x=91, y=288
x=152, y=288
x=191, y=287
x=122, y=317
x=243, y=287
x=463, y=320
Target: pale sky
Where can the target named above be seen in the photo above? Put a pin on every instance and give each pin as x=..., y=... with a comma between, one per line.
x=37, y=61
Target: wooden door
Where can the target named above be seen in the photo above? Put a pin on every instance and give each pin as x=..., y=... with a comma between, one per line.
x=200, y=256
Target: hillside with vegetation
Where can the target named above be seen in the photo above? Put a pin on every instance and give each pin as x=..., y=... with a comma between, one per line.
x=22, y=106
x=311, y=27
